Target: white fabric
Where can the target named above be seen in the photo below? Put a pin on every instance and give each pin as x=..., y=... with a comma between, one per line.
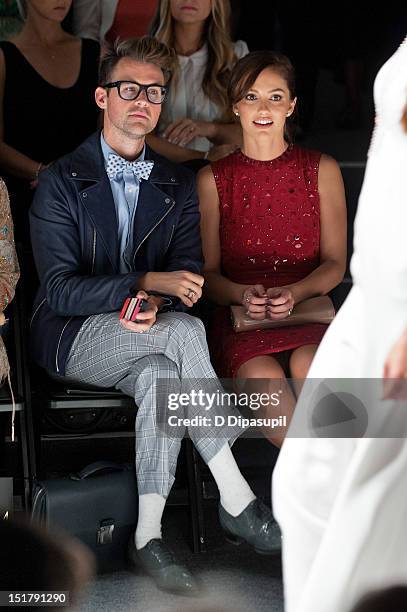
x=342, y=503
x=93, y=18
x=188, y=98
x=150, y=511
x=235, y=493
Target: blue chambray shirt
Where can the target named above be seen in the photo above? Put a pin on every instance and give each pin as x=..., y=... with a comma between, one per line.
x=125, y=190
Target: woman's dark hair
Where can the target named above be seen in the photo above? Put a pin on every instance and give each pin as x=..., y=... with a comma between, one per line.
x=248, y=68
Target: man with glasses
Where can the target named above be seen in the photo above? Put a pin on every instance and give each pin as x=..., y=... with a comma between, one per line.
x=114, y=219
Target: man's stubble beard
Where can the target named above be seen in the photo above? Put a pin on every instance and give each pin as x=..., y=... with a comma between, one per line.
x=129, y=133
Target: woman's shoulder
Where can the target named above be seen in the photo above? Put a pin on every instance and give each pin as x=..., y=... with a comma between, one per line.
x=3, y=188
x=306, y=155
x=240, y=48
x=4, y=201
x=225, y=170
x=226, y=164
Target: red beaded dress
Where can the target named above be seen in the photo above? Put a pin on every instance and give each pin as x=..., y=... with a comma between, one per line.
x=269, y=234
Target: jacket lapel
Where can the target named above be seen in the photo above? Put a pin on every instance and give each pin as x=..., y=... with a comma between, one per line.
x=154, y=202
x=95, y=194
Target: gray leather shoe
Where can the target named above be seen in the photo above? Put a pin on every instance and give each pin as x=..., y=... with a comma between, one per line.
x=159, y=562
x=255, y=525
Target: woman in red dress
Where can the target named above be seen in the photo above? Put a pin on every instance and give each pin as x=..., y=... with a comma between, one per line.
x=273, y=231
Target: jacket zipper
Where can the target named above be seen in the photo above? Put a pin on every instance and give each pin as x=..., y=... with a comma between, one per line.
x=59, y=342
x=36, y=310
x=150, y=232
x=169, y=242
x=93, y=252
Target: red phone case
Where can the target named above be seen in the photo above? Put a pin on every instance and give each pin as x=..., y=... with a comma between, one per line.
x=131, y=307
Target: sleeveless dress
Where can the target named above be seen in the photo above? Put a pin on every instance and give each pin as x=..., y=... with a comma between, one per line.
x=42, y=121
x=269, y=234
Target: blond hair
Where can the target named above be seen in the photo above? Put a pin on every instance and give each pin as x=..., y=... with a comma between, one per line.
x=221, y=56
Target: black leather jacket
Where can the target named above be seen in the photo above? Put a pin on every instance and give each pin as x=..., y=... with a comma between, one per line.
x=76, y=249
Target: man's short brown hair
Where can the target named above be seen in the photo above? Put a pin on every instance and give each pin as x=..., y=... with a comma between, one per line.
x=145, y=49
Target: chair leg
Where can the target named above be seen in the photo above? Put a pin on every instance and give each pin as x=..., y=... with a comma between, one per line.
x=24, y=390
x=26, y=464
x=198, y=535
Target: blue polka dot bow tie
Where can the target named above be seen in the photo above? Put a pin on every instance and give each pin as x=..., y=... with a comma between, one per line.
x=116, y=164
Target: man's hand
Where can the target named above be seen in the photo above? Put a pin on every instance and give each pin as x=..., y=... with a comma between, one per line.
x=254, y=299
x=280, y=303
x=147, y=317
x=395, y=371
x=185, y=285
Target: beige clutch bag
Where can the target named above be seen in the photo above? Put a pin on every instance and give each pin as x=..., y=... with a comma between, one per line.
x=314, y=310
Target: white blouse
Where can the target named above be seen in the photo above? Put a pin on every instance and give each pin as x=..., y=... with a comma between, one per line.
x=189, y=100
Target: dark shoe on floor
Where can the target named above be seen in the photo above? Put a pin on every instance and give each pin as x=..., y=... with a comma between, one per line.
x=159, y=562
x=255, y=525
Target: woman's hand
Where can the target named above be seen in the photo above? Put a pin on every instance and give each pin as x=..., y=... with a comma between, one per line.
x=280, y=303
x=395, y=370
x=181, y=132
x=147, y=318
x=254, y=299
x=34, y=182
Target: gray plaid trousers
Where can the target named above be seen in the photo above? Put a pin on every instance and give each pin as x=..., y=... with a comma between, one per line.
x=175, y=351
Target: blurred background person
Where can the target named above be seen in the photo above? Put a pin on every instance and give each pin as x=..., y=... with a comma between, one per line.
x=10, y=19
x=197, y=115
x=9, y=269
x=273, y=223
x=341, y=501
x=33, y=559
x=9, y=275
x=47, y=83
x=106, y=20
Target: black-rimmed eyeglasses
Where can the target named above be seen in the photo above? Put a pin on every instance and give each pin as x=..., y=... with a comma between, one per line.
x=130, y=90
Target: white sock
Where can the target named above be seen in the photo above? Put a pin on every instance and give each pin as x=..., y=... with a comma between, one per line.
x=151, y=508
x=235, y=493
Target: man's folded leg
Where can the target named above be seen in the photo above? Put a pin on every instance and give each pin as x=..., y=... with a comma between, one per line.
x=113, y=356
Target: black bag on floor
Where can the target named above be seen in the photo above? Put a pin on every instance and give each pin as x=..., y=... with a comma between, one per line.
x=98, y=505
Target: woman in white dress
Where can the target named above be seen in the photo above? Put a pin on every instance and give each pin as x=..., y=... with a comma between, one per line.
x=197, y=115
x=342, y=502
